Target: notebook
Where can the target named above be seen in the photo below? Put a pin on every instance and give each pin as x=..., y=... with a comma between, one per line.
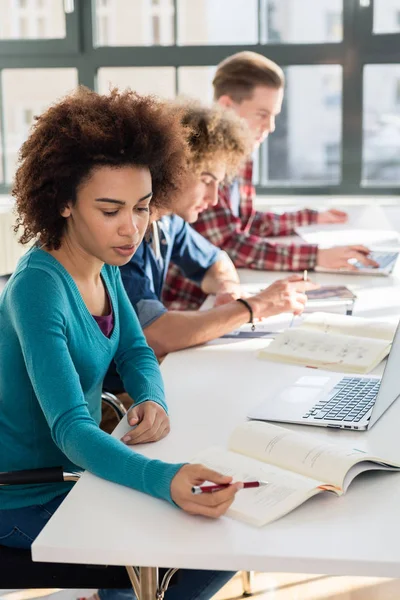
x=331, y=298
x=295, y=465
x=333, y=342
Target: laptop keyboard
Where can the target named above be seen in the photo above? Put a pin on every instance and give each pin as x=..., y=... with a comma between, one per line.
x=382, y=258
x=352, y=399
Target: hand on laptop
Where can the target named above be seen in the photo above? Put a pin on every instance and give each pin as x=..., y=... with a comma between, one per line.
x=284, y=295
x=332, y=216
x=339, y=257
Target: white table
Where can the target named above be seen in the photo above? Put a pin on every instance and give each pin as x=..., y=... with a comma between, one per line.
x=209, y=391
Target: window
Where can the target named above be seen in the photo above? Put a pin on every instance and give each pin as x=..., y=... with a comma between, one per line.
x=161, y=22
x=201, y=22
x=138, y=23
x=386, y=16
x=306, y=126
x=381, y=124
x=105, y=21
x=32, y=19
x=334, y=26
x=26, y=93
x=145, y=80
x=305, y=22
x=199, y=79
x=339, y=127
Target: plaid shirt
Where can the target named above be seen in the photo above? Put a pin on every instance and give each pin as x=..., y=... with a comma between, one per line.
x=245, y=239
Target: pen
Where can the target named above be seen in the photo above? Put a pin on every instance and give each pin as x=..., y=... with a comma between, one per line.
x=207, y=489
x=305, y=278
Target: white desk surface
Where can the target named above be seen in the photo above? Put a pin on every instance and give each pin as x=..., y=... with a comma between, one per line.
x=209, y=390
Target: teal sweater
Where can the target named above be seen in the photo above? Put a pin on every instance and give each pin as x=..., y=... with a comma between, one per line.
x=53, y=358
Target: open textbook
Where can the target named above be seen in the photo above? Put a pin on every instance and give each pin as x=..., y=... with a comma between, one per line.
x=295, y=465
x=333, y=342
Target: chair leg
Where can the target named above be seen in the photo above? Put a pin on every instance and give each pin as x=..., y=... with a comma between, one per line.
x=247, y=583
x=116, y=404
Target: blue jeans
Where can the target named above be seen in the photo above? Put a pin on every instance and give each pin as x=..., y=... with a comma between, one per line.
x=20, y=526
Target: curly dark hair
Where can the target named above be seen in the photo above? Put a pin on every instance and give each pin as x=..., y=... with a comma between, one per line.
x=214, y=135
x=84, y=131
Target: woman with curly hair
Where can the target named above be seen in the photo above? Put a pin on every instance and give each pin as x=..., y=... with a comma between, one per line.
x=87, y=175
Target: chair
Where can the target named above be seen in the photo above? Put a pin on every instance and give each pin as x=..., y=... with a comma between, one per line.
x=17, y=568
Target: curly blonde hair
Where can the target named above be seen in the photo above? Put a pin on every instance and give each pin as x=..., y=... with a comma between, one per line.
x=214, y=135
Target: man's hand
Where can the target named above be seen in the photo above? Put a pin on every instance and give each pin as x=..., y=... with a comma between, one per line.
x=332, y=216
x=150, y=422
x=210, y=505
x=284, y=295
x=338, y=258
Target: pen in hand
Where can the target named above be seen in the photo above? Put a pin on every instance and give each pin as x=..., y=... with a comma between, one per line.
x=208, y=489
x=305, y=278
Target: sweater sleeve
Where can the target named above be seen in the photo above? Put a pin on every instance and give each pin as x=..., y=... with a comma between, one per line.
x=270, y=224
x=135, y=360
x=41, y=327
x=247, y=249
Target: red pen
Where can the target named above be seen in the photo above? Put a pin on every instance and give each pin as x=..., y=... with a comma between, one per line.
x=208, y=489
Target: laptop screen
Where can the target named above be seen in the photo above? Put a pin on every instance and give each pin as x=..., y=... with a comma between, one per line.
x=389, y=389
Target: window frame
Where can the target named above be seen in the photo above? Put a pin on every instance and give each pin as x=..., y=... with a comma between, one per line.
x=78, y=50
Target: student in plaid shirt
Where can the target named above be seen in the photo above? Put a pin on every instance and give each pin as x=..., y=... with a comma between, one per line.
x=252, y=86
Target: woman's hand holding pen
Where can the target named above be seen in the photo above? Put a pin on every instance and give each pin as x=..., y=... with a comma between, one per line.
x=210, y=505
x=284, y=295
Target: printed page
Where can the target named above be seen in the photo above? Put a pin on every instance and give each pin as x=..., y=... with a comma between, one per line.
x=296, y=452
x=354, y=326
x=331, y=352
x=259, y=506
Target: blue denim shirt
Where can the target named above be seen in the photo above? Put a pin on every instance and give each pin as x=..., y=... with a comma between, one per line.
x=144, y=275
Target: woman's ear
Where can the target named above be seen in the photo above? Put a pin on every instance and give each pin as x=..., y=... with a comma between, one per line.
x=66, y=211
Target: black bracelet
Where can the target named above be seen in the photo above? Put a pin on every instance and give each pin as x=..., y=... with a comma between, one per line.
x=248, y=306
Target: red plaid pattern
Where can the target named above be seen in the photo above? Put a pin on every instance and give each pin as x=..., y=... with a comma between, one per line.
x=244, y=238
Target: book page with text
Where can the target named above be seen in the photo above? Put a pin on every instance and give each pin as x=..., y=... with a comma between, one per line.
x=296, y=452
x=259, y=506
x=332, y=352
x=346, y=325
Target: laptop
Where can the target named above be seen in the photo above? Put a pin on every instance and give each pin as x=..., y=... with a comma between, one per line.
x=385, y=258
x=338, y=401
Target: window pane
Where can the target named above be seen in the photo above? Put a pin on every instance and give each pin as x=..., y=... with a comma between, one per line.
x=308, y=21
x=386, y=16
x=145, y=80
x=211, y=22
x=135, y=23
x=26, y=93
x=196, y=82
x=381, y=120
x=32, y=19
x=306, y=146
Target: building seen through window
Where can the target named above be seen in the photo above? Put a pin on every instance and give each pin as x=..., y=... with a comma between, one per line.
x=306, y=147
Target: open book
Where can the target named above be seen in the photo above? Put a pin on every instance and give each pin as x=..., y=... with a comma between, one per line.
x=295, y=465
x=333, y=342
